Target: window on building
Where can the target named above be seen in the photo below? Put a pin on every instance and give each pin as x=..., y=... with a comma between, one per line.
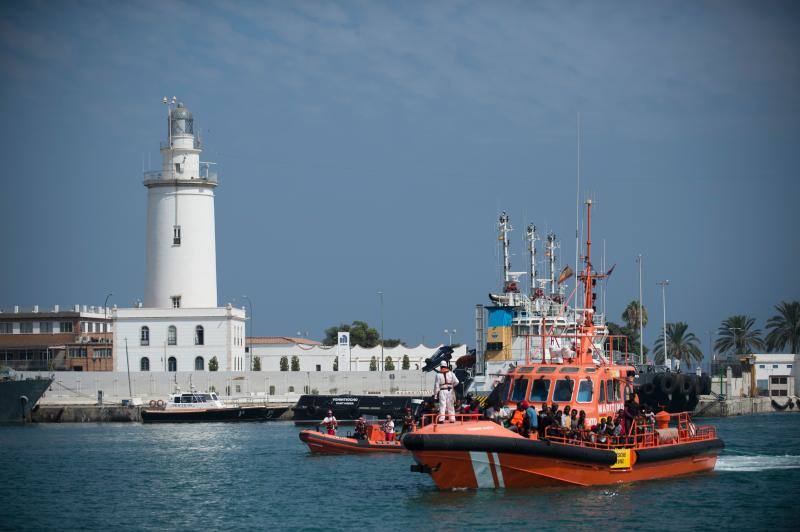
x=77, y=352
x=176, y=235
x=319, y=367
x=789, y=366
x=45, y=327
x=101, y=353
x=199, y=364
x=6, y=328
x=26, y=327
x=199, y=335
x=65, y=327
x=144, y=364
x=144, y=337
x=774, y=366
x=172, y=364
x=172, y=335
x=176, y=301
x=762, y=366
x=105, y=327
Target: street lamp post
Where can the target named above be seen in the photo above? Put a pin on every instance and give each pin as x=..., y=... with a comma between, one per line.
x=380, y=294
x=105, y=304
x=735, y=346
x=250, y=304
x=663, y=285
x=641, y=313
x=450, y=334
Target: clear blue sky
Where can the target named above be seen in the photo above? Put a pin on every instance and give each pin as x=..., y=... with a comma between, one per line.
x=370, y=146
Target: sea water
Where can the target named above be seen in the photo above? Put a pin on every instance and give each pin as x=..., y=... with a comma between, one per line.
x=260, y=476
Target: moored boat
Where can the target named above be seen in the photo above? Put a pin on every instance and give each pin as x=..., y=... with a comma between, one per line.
x=205, y=407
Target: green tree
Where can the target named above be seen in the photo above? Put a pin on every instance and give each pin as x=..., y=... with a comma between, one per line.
x=388, y=364
x=682, y=345
x=256, y=363
x=295, y=363
x=617, y=330
x=738, y=336
x=213, y=364
x=335, y=363
x=360, y=334
x=784, y=327
x=284, y=363
x=392, y=342
x=406, y=364
x=373, y=364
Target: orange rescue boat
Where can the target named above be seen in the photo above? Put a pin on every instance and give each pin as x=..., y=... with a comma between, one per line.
x=376, y=442
x=472, y=452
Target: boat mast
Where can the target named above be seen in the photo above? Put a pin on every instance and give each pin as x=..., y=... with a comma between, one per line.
x=587, y=329
x=505, y=228
x=551, y=255
x=532, y=237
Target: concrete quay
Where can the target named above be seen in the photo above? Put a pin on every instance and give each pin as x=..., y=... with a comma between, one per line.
x=711, y=406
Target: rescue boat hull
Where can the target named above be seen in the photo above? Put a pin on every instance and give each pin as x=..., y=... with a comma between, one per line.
x=320, y=443
x=457, y=461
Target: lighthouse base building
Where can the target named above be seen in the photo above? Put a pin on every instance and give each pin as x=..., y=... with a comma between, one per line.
x=179, y=326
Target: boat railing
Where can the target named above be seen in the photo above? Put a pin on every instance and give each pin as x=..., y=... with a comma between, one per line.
x=539, y=346
x=433, y=419
x=643, y=434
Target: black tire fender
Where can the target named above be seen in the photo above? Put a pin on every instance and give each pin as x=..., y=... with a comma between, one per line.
x=667, y=383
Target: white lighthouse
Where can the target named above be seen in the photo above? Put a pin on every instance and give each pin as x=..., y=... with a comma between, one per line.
x=180, y=328
x=181, y=246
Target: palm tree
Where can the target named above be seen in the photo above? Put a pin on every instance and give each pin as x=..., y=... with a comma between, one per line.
x=631, y=315
x=682, y=345
x=784, y=327
x=737, y=336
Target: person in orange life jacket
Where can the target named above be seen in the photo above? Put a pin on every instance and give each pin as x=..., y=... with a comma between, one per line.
x=360, y=430
x=444, y=390
x=388, y=428
x=518, y=418
x=330, y=423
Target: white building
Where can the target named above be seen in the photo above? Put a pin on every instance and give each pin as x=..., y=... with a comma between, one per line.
x=185, y=339
x=772, y=364
x=313, y=356
x=180, y=327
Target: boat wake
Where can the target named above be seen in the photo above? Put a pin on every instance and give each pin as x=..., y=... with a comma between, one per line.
x=757, y=463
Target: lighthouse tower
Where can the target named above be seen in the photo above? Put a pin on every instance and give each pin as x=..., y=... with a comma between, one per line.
x=181, y=247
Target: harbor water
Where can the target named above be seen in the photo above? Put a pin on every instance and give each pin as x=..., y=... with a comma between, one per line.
x=255, y=476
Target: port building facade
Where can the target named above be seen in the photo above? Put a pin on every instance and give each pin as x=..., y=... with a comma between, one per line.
x=76, y=338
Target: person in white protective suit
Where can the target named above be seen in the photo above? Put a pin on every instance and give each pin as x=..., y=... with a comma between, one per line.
x=444, y=389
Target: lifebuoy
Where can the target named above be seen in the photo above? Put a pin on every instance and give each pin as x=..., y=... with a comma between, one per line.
x=667, y=383
x=648, y=388
x=160, y=403
x=152, y=403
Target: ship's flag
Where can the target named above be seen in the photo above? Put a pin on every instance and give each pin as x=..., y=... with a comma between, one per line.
x=608, y=273
x=566, y=273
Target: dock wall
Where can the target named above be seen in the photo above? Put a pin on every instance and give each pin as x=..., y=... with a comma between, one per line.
x=259, y=386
